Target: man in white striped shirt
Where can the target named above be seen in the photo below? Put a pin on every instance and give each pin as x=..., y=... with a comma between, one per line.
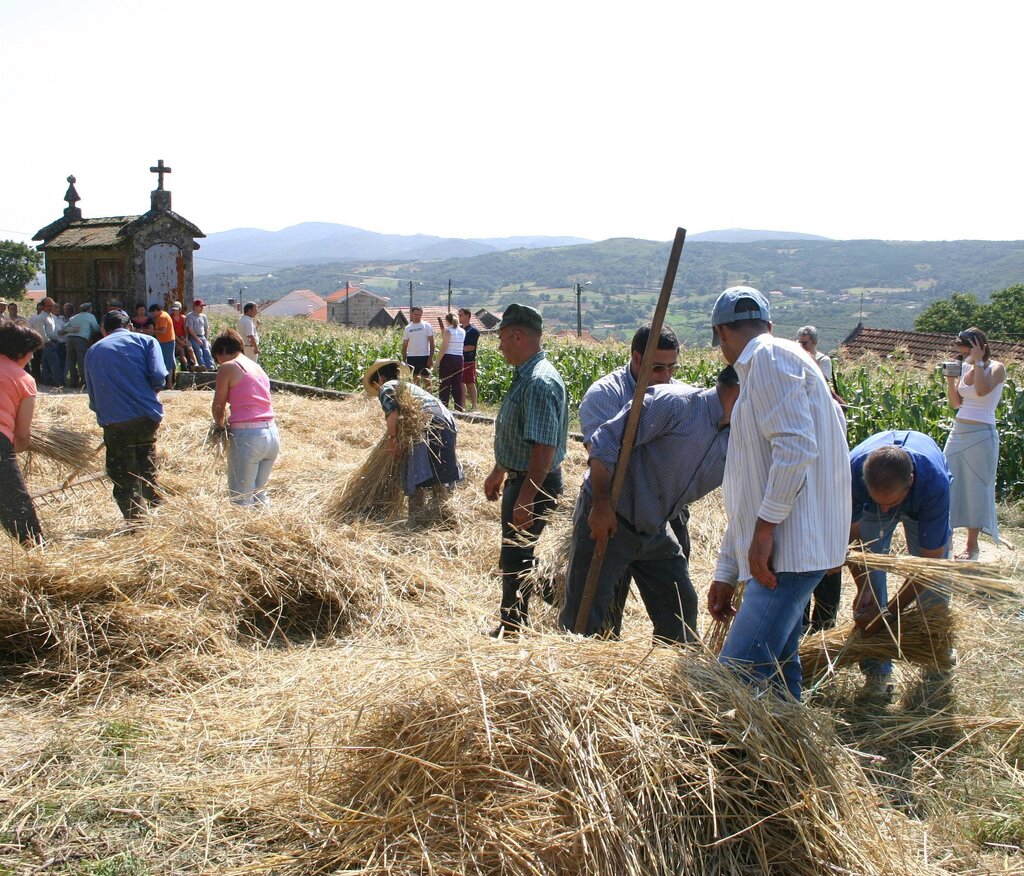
x=787, y=479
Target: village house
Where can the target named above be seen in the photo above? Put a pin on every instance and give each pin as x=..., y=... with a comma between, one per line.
x=398, y=317
x=354, y=306
x=124, y=258
x=923, y=348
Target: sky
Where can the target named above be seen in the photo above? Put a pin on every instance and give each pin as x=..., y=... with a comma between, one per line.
x=891, y=120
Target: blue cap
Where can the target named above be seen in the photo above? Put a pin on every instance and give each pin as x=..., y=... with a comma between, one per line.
x=738, y=303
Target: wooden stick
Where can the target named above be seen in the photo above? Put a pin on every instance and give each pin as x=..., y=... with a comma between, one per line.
x=632, y=423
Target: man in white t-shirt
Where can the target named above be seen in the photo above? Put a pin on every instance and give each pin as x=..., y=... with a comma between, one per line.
x=418, y=347
x=248, y=327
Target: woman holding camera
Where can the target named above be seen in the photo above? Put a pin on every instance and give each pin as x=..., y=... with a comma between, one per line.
x=972, y=449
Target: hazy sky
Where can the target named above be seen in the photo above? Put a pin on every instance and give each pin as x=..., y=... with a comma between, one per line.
x=895, y=120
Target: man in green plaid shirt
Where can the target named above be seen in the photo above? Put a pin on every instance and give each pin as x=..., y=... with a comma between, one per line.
x=529, y=446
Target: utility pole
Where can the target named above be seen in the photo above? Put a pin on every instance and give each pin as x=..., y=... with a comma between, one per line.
x=410, y=300
x=449, y=295
x=579, y=310
x=346, y=304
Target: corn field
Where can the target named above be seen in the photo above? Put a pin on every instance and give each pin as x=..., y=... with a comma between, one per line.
x=881, y=394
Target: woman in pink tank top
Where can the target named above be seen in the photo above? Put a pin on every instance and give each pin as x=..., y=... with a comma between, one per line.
x=253, y=439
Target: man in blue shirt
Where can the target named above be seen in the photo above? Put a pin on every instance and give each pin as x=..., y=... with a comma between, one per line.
x=678, y=457
x=897, y=477
x=530, y=434
x=124, y=371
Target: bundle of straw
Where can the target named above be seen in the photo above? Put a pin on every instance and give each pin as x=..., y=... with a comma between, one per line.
x=924, y=637
x=375, y=488
x=216, y=440
x=942, y=576
x=64, y=446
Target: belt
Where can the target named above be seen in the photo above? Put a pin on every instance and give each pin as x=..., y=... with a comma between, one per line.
x=514, y=475
x=251, y=424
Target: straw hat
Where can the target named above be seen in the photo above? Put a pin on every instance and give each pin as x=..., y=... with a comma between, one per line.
x=371, y=372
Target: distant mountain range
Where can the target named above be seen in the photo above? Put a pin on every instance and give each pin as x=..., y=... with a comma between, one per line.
x=312, y=243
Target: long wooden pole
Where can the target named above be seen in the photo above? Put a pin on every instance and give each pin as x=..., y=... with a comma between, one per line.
x=632, y=423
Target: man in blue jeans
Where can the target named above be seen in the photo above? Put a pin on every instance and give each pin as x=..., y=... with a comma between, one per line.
x=787, y=475
x=898, y=477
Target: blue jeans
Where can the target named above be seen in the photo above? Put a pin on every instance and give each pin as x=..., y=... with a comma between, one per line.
x=765, y=635
x=251, y=455
x=202, y=351
x=51, y=371
x=876, y=531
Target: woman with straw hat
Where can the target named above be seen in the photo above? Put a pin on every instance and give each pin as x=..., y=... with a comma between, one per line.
x=17, y=404
x=253, y=439
x=431, y=460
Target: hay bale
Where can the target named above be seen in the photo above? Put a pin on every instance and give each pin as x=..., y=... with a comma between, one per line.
x=571, y=757
x=924, y=638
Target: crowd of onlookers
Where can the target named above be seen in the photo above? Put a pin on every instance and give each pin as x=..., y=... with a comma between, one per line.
x=184, y=339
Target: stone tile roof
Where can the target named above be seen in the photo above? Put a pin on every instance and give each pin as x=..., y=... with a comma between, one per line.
x=924, y=347
x=340, y=295
x=90, y=234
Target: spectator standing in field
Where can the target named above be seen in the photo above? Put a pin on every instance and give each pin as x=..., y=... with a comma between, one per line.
x=449, y=363
x=897, y=477
x=12, y=312
x=248, y=329
x=124, y=372
x=807, y=338
x=182, y=349
x=418, y=347
x=972, y=448
x=163, y=331
x=469, y=346
x=61, y=319
x=786, y=480
x=17, y=404
x=678, y=457
x=197, y=327
x=253, y=439
x=79, y=332
x=603, y=401
x=45, y=323
x=530, y=434
x=4, y=316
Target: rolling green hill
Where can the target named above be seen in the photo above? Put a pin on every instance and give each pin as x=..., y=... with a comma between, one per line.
x=822, y=282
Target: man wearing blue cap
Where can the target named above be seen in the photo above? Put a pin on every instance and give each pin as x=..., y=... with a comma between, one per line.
x=530, y=434
x=787, y=477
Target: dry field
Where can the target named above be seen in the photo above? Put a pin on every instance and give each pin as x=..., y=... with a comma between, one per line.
x=223, y=691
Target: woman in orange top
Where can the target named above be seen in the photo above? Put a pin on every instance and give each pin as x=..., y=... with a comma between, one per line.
x=163, y=331
x=17, y=404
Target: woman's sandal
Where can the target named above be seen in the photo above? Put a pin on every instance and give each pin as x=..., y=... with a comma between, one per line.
x=967, y=557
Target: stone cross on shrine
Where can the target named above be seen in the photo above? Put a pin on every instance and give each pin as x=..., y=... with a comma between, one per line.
x=160, y=170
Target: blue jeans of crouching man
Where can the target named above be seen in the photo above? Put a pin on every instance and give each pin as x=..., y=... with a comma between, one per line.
x=655, y=562
x=876, y=530
x=517, y=546
x=765, y=635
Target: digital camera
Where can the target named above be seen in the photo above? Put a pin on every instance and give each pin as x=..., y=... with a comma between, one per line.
x=951, y=369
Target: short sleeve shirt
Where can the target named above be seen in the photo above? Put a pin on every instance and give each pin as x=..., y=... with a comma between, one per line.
x=16, y=384
x=534, y=411
x=472, y=339
x=418, y=334
x=928, y=499
x=164, y=328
